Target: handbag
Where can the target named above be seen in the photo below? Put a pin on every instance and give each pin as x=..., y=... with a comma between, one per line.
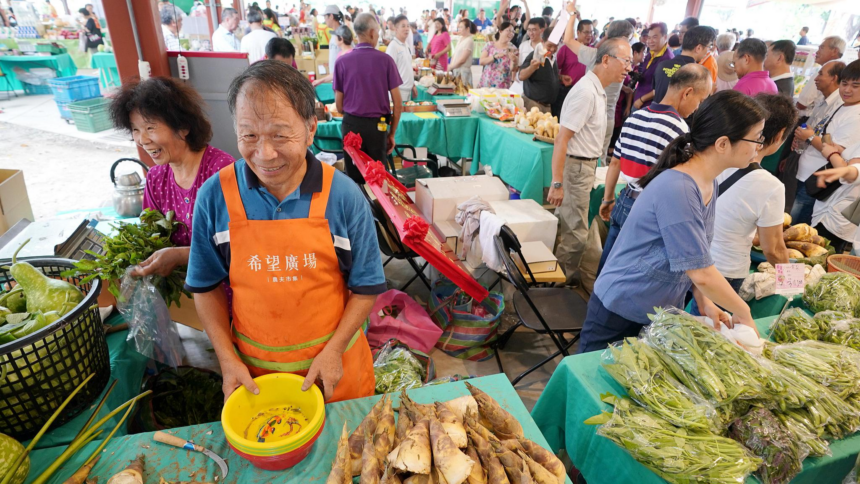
x=788, y=176
x=811, y=183
x=396, y=315
x=469, y=328
x=94, y=37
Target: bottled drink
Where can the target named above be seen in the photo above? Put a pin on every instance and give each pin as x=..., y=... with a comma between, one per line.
x=801, y=144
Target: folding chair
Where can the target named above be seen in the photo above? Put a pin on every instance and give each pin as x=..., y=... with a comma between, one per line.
x=419, y=167
x=391, y=245
x=553, y=311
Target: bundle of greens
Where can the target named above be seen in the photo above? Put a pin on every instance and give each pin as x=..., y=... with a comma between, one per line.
x=705, y=361
x=761, y=432
x=835, y=291
x=799, y=390
x=636, y=367
x=795, y=325
x=845, y=332
x=799, y=426
x=825, y=319
x=854, y=476
x=133, y=244
x=834, y=366
x=675, y=454
x=396, y=369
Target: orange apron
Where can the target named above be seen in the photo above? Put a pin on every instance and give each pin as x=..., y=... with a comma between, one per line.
x=288, y=292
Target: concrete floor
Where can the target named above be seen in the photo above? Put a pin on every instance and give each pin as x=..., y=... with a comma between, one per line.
x=66, y=170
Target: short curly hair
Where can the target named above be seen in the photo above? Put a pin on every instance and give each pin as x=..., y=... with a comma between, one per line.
x=167, y=100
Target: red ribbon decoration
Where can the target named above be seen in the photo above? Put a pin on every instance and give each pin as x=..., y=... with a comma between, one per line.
x=352, y=140
x=416, y=229
x=375, y=173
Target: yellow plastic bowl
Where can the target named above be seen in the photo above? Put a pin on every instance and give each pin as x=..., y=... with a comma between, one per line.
x=276, y=389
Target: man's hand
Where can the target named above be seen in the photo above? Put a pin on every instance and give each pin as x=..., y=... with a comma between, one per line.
x=829, y=149
x=236, y=374
x=638, y=103
x=626, y=112
x=534, y=63
x=390, y=142
x=317, y=82
x=606, y=210
x=161, y=263
x=555, y=196
x=803, y=134
x=327, y=367
x=848, y=173
x=626, y=89
x=567, y=81
x=571, y=7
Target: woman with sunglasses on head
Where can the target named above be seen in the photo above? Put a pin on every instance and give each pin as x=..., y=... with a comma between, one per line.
x=664, y=248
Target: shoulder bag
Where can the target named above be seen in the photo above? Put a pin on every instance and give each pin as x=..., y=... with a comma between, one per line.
x=812, y=188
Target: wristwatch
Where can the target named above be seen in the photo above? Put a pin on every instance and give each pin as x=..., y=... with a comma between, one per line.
x=607, y=202
x=557, y=184
x=809, y=140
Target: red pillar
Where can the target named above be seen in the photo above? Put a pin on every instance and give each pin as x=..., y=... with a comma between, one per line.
x=694, y=8
x=151, y=42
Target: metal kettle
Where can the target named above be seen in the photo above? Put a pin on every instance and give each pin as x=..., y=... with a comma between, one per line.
x=128, y=189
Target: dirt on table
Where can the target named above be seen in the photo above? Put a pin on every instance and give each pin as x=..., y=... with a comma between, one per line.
x=62, y=173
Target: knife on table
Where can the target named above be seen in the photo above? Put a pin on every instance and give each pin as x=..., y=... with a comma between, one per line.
x=175, y=441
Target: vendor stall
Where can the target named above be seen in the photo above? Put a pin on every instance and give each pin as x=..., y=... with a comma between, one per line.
x=72, y=46
x=581, y=379
x=62, y=64
x=423, y=95
x=172, y=464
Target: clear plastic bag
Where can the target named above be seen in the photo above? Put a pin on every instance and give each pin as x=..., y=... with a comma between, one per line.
x=704, y=360
x=835, y=291
x=834, y=366
x=762, y=433
x=795, y=325
x=799, y=427
x=676, y=455
x=150, y=327
x=825, y=319
x=638, y=368
x=854, y=476
x=396, y=368
x=844, y=332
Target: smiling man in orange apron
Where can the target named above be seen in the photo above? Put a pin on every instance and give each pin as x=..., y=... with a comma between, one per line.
x=296, y=240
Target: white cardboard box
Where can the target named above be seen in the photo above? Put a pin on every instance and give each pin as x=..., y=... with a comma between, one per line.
x=14, y=202
x=451, y=231
x=437, y=198
x=530, y=221
x=538, y=257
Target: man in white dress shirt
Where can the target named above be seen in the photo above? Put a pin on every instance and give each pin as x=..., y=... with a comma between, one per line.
x=223, y=39
x=398, y=49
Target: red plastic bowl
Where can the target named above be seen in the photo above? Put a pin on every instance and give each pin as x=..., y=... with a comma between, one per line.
x=282, y=461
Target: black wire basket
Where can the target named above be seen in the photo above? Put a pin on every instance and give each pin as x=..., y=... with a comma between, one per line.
x=40, y=370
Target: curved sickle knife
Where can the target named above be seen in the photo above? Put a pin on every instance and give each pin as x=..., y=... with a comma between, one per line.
x=168, y=439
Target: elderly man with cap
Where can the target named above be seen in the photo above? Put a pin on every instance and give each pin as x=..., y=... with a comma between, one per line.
x=362, y=83
x=295, y=238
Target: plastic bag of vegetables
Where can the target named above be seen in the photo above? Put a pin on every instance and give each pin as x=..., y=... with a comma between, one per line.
x=844, y=332
x=795, y=325
x=675, y=454
x=835, y=291
x=854, y=476
x=834, y=366
x=798, y=425
x=825, y=319
x=397, y=367
x=636, y=367
x=150, y=327
x=763, y=434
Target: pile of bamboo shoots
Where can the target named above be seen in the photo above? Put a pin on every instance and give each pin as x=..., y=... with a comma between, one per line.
x=470, y=439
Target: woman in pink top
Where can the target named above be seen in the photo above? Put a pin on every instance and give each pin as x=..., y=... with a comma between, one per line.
x=439, y=46
x=165, y=117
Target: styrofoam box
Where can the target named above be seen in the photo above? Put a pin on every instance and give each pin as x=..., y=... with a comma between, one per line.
x=437, y=198
x=530, y=221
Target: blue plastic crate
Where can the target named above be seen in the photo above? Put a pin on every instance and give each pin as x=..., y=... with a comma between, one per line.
x=75, y=88
x=65, y=113
x=36, y=90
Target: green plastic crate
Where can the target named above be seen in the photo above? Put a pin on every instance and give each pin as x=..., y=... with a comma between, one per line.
x=92, y=115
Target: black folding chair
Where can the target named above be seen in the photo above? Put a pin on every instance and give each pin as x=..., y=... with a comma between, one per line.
x=337, y=151
x=553, y=311
x=407, y=176
x=387, y=236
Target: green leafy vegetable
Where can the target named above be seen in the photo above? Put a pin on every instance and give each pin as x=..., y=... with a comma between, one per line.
x=764, y=435
x=834, y=366
x=798, y=426
x=835, y=291
x=396, y=369
x=133, y=244
x=825, y=319
x=845, y=332
x=795, y=325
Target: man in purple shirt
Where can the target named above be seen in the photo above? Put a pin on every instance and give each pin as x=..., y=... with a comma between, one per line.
x=570, y=70
x=749, y=66
x=658, y=51
x=363, y=80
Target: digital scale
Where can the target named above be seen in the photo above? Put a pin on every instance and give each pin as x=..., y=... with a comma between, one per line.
x=63, y=238
x=454, y=108
x=441, y=89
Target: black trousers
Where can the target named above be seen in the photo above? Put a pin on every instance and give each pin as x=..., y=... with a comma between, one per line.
x=373, y=141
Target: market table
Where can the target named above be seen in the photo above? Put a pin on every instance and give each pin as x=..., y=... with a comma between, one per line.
x=62, y=64
x=424, y=96
x=105, y=62
x=573, y=395
x=325, y=93
x=81, y=59
x=176, y=464
x=127, y=368
x=452, y=138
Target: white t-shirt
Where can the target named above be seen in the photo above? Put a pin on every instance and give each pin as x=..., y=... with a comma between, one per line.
x=254, y=43
x=829, y=212
x=844, y=128
x=588, y=56
x=225, y=41
x=584, y=113
x=467, y=44
x=403, y=59
x=756, y=200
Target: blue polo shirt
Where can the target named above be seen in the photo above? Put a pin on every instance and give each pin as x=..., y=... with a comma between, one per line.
x=350, y=221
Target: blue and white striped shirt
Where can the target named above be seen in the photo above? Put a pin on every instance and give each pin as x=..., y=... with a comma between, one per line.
x=644, y=136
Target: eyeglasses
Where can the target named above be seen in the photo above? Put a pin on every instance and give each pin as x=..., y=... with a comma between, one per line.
x=626, y=62
x=759, y=142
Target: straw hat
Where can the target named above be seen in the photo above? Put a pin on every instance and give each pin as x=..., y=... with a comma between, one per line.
x=725, y=68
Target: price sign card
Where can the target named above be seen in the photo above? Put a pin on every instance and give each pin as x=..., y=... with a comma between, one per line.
x=790, y=278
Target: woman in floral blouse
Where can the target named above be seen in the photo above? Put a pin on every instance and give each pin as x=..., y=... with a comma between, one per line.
x=500, y=59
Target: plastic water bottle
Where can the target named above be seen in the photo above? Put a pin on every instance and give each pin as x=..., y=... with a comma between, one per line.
x=801, y=144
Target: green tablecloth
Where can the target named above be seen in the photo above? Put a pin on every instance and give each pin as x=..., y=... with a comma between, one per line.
x=423, y=96
x=520, y=161
x=62, y=63
x=127, y=367
x=452, y=138
x=81, y=59
x=573, y=395
x=106, y=64
x=597, y=197
x=325, y=93
x=176, y=464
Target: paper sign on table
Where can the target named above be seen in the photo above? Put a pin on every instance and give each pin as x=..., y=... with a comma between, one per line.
x=790, y=278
